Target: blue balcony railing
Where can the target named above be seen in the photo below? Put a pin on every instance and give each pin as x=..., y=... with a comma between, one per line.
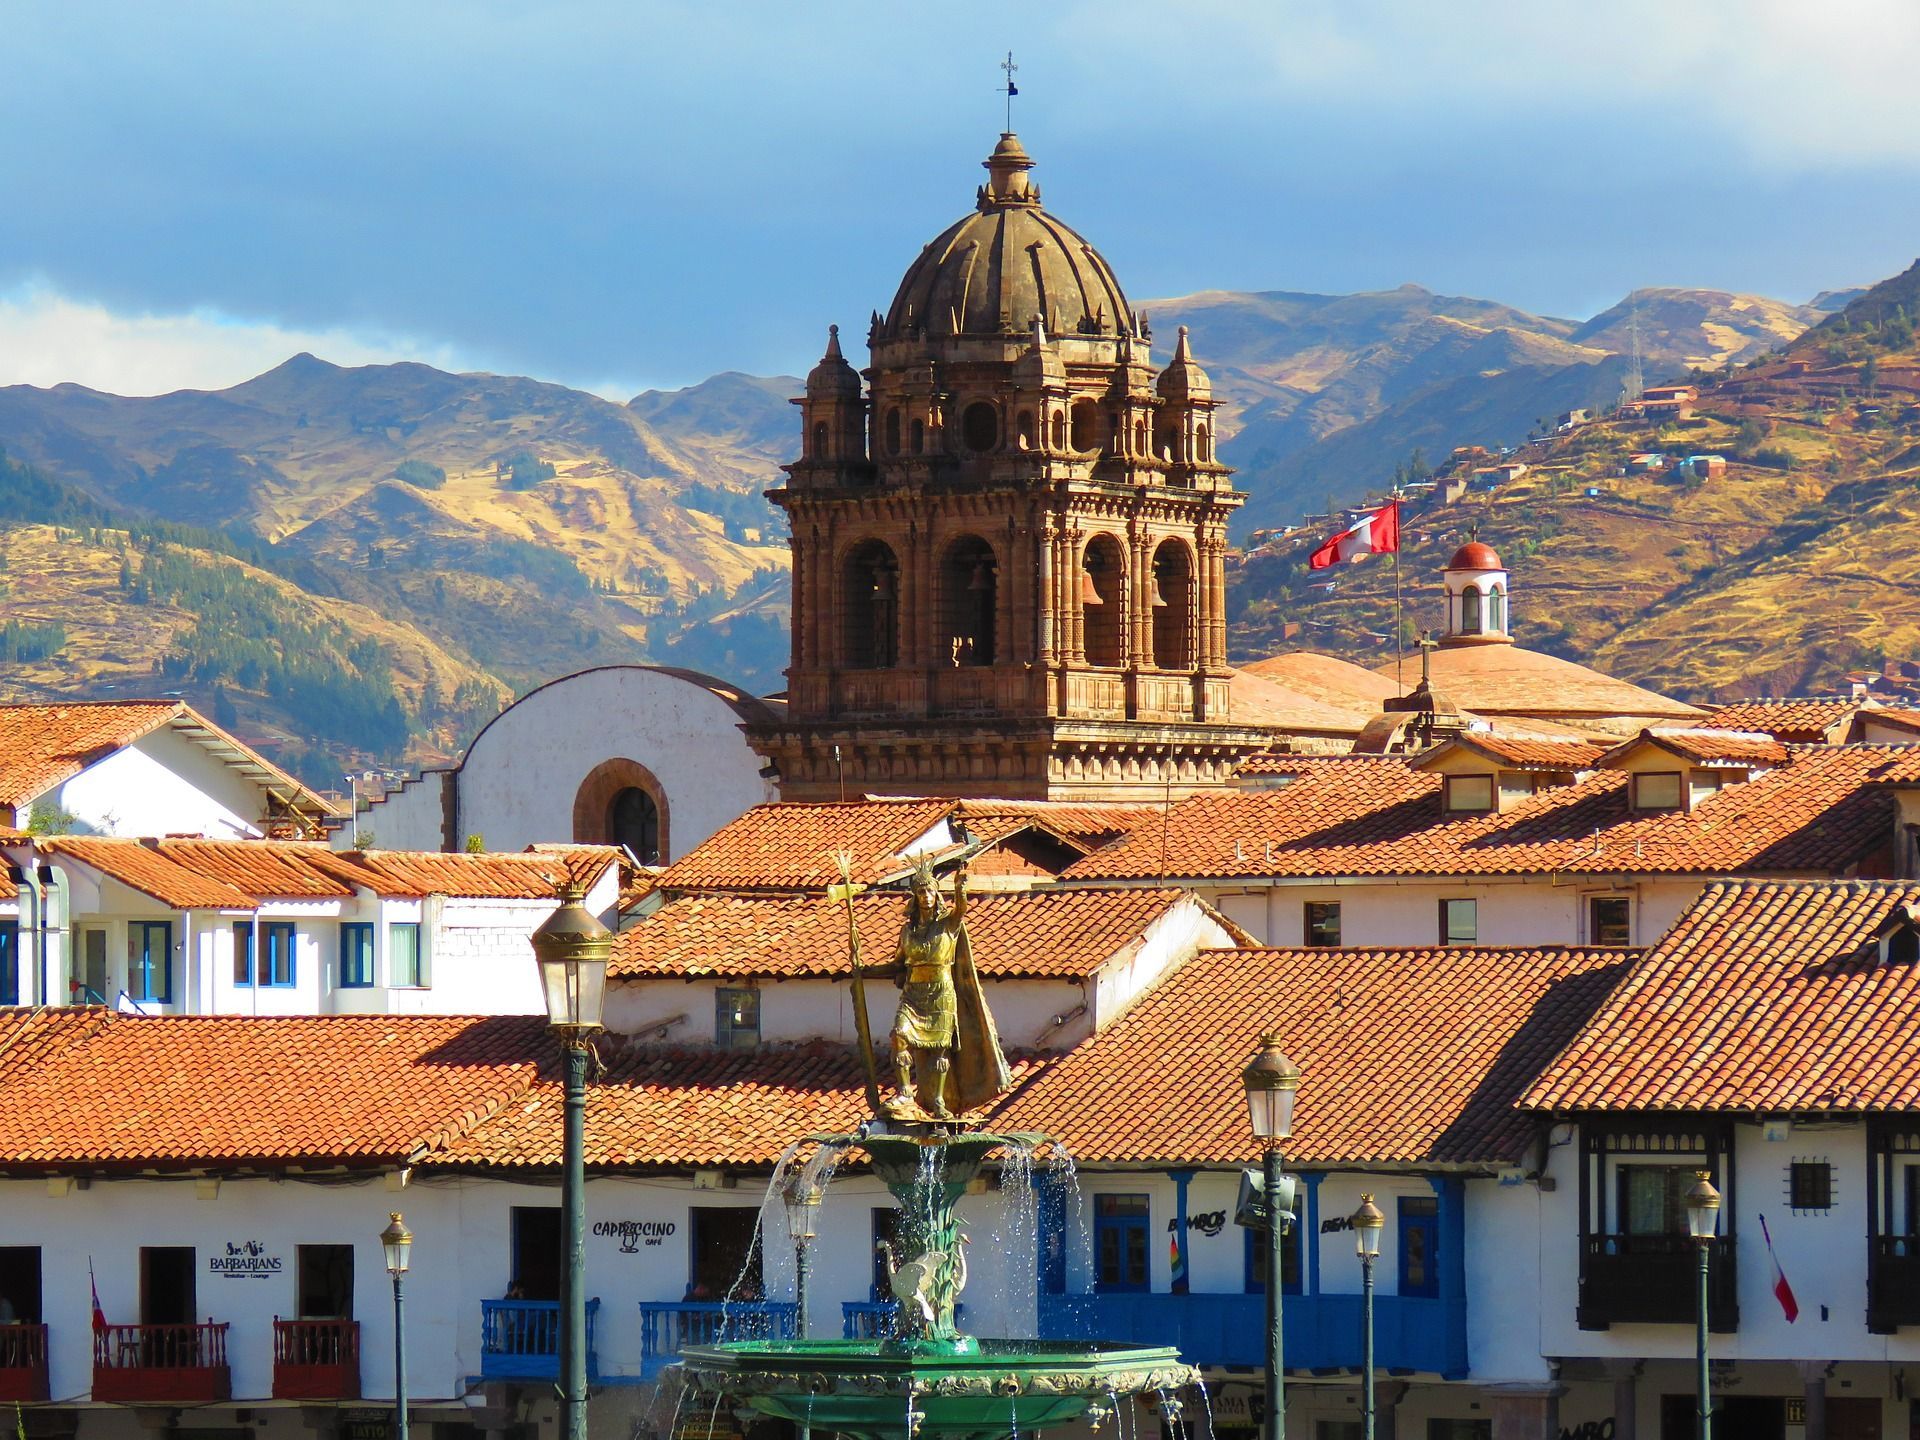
x=1411, y=1333
x=666, y=1326
x=879, y=1319
x=520, y=1339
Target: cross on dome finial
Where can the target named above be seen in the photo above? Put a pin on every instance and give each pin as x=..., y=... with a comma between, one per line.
x=1012, y=89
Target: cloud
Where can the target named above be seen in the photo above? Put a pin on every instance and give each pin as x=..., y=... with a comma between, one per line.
x=47, y=338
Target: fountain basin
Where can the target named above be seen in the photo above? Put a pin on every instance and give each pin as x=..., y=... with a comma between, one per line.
x=964, y=1390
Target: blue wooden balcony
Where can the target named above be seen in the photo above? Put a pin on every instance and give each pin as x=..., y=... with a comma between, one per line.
x=668, y=1325
x=520, y=1340
x=1229, y=1331
x=879, y=1319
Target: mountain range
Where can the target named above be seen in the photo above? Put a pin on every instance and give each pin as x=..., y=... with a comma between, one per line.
x=504, y=530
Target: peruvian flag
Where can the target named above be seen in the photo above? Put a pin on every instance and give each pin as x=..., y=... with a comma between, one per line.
x=1782, y=1291
x=1375, y=533
x=99, y=1315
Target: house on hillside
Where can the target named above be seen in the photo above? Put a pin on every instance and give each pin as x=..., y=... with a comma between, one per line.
x=144, y=767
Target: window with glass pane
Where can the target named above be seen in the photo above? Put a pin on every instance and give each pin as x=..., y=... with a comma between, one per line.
x=1657, y=791
x=1459, y=922
x=1653, y=1198
x=1323, y=922
x=9, y=965
x=1609, y=920
x=1419, y=1244
x=276, y=953
x=1256, y=1266
x=737, y=1022
x=403, y=953
x=1120, y=1243
x=356, y=955
x=243, y=952
x=150, y=960
x=1468, y=794
x=90, y=966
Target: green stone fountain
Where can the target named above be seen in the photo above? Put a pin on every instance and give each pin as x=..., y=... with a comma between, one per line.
x=927, y=1380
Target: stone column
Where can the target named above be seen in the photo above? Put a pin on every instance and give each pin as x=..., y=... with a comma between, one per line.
x=1072, y=578
x=1142, y=596
x=1525, y=1412
x=1813, y=1380
x=1387, y=1396
x=1047, y=545
x=1626, y=1399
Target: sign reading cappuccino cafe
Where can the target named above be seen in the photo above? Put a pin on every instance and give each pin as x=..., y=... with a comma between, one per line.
x=632, y=1234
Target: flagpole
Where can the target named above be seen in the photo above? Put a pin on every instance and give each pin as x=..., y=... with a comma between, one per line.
x=1398, y=659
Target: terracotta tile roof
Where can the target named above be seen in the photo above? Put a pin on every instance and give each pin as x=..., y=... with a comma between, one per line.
x=1518, y=752
x=1908, y=720
x=1760, y=998
x=1704, y=747
x=115, y=1090
x=1804, y=721
x=521, y=876
x=1410, y=1056
x=1066, y=934
x=42, y=745
x=147, y=870
x=259, y=869
x=1092, y=825
x=1375, y=815
x=790, y=846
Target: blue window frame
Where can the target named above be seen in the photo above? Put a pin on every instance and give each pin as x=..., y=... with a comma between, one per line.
x=243, y=953
x=275, y=954
x=1418, y=1246
x=9, y=965
x=356, y=955
x=150, y=961
x=1122, y=1246
x=1256, y=1272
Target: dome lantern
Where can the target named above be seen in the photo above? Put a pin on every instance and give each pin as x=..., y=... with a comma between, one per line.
x=1477, y=596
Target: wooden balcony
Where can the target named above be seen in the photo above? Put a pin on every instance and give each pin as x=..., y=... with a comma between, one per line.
x=667, y=1325
x=520, y=1339
x=23, y=1364
x=1655, y=1280
x=161, y=1364
x=316, y=1359
x=1893, y=1283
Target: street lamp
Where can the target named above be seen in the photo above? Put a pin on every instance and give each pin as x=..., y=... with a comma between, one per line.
x=1271, y=1081
x=1703, y=1219
x=1367, y=1225
x=397, y=1241
x=572, y=949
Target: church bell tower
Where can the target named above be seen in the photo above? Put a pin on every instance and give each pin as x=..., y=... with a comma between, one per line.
x=1009, y=541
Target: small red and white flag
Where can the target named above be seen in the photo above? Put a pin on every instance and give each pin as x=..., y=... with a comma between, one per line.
x=1375, y=533
x=1782, y=1291
x=99, y=1315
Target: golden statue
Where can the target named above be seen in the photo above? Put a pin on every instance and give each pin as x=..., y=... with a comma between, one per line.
x=946, y=1052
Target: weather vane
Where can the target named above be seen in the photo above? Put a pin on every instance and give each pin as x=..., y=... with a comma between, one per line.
x=1012, y=89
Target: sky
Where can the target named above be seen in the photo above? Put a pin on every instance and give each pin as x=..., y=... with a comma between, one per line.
x=639, y=194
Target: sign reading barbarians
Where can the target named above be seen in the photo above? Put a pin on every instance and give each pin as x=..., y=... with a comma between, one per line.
x=244, y=1260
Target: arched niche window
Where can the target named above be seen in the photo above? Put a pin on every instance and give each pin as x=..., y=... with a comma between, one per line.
x=1472, y=611
x=1140, y=437
x=622, y=803
x=1497, y=610
x=1059, y=430
x=918, y=434
x=1023, y=430
x=893, y=432
x=1172, y=602
x=819, y=439
x=870, y=607
x=1103, y=607
x=969, y=581
x=1202, y=444
x=979, y=427
x=1086, y=425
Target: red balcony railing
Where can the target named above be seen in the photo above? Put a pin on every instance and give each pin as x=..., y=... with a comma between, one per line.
x=316, y=1359
x=23, y=1363
x=183, y=1364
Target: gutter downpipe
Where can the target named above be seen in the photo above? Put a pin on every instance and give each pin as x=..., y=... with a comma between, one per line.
x=27, y=879
x=54, y=898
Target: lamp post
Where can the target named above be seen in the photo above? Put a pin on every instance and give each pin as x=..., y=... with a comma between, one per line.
x=1703, y=1219
x=1367, y=1225
x=572, y=949
x=397, y=1241
x=1270, y=1080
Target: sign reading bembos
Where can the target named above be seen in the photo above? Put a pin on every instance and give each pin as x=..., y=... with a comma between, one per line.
x=632, y=1234
x=244, y=1260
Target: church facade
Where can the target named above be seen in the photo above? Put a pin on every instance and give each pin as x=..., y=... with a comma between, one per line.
x=1009, y=537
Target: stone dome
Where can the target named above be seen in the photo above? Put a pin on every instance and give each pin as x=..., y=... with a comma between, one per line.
x=992, y=272
x=833, y=377
x=1475, y=556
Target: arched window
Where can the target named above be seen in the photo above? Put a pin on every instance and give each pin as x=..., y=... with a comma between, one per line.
x=969, y=583
x=1086, y=425
x=1172, y=601
x=870, y=607
x=1103, y=605
x=1023, y=430
x=819, y=439
x=1202, y=445
x=1471, y=611
x=1140, y=437
x=1497, y=611
x=979, y=427
x=893, y=432
x=633, y=820
x=919, y=433
x=1059, y=430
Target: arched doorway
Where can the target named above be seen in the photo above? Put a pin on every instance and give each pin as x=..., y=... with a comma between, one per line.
x=621, y=802
x=1103, y=606
x=1086, y=425
x=1172, y=606
x=870, y=607
x=969, y=588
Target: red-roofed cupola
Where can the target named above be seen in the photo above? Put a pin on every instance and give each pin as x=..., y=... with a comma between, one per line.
x=1476, y=584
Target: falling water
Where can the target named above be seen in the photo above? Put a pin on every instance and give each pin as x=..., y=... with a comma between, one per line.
x=1013, y=1415
x=1206, y=1404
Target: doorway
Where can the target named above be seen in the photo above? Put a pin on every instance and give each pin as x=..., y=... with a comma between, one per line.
x=20, y=1285
x=1751, y=1417
x=725, y=1261
x=167, y=1294
x=90, y=964
x=325, y=1280
x=536, y=1251
x=1419, y=1246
